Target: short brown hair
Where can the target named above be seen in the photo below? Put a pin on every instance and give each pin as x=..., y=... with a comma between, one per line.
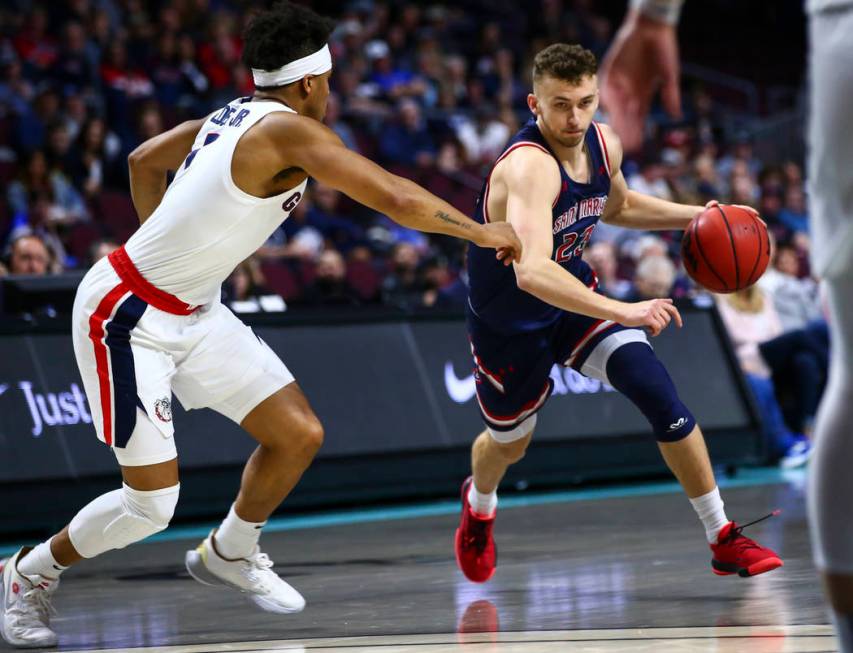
x=570, y=63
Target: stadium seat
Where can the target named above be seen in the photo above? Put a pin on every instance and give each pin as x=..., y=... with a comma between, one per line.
x=281, y=279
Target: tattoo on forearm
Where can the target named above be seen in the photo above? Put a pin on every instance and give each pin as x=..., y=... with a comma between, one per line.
x=443, y=215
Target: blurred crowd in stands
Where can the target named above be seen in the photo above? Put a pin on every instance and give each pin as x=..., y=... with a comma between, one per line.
x=432, y=92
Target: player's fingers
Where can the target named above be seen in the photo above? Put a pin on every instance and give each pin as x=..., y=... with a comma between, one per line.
x=663, y=318
x=672, y=311
x=712, y=204
x=655, y=324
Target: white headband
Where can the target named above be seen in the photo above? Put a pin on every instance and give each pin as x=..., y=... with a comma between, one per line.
x=314, y=64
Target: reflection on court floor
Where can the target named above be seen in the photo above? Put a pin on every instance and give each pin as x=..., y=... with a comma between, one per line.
x=624, y=571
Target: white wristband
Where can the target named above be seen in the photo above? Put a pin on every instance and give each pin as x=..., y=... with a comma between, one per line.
x=663, y=11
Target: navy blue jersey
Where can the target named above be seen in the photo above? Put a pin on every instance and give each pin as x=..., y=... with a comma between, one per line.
x=494, y=294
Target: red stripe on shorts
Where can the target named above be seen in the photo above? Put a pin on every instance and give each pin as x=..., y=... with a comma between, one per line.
x=96, y=334
x=142, y=288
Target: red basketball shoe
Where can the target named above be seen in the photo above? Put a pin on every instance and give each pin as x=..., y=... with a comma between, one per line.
x=476, y=553
x=734, y=553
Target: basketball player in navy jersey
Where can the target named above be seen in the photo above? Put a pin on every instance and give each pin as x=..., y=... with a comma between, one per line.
x=555, y=180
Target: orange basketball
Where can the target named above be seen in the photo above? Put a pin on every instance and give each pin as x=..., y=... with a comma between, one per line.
x=725, y=248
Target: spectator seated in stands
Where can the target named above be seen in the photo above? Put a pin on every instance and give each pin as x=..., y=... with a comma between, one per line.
x=336, y=124
x=391, y=80
x=323, y=215
x=435, y=277
x=653, y=279
x=795, y=299
x=330, y=286
x=28, y=254
x=43, y=219
x=66, y=204
x=245, y=290
x=794, y=215
x=295, y=238
x=95, y=161
x=407, y=141
x=651, y=180
x=402, y=287
x=750, y=320
x=484, y=137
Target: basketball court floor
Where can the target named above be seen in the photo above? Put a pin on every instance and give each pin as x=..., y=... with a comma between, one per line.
x=599, y=570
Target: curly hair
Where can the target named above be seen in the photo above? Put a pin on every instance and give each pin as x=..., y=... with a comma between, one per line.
x=570, y=63
x=282, y=34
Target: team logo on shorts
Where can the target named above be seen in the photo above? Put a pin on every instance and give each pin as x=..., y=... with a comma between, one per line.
x=163, y=409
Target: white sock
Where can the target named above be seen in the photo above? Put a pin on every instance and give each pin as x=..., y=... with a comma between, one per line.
x=237, y=538
x=710, y=509
x=40, y=562
x=482, y=504
x=844, y=631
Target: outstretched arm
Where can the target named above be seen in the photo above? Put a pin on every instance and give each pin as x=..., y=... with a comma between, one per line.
x=532, y=181
x=628, y=208
x=153, y=160
x=320, y=152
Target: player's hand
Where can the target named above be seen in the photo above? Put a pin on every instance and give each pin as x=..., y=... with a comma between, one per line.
x=654, y=315
x=502, y=237
x=642, y=58
x=748, y=209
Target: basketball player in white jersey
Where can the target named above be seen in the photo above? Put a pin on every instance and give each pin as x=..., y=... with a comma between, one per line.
x=830, y=178
x=148, y=322
x=643, y=55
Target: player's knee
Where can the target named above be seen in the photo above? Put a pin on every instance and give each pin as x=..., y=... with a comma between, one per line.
x=122, y=517
x=636, y=372
x=310, y=435
x=511, y=445
x=155, y=507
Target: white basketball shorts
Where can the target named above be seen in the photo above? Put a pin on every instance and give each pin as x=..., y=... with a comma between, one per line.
x=830, y=165
x=135, y=345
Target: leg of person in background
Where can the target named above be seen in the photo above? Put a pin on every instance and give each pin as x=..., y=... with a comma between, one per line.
x=143, y=506
x=289, y=436
x=799, y=360
x=626, y=361
x=791, y=448
x=808, y=383
x=831, y=483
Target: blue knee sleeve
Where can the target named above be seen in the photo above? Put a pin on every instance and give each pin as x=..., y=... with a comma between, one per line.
x=636, y=372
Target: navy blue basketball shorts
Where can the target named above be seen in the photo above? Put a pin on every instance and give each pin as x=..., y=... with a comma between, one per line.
x=513, y=371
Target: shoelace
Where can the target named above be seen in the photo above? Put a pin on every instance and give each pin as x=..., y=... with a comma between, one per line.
x=261, y=561
x=743, y=542
x=258, y=570
x=34, y=608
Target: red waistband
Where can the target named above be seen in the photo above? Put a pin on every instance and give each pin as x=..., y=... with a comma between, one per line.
x=143, y=289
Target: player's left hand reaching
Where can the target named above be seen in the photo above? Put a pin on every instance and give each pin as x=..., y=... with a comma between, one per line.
x=502, y=237
x=748, y=209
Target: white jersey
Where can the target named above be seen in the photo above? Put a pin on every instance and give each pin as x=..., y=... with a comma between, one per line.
x=830, y=163
x=205, y=224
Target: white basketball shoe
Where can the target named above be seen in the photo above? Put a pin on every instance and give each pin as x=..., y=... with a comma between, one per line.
x=26, y=606
x=254, y=576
